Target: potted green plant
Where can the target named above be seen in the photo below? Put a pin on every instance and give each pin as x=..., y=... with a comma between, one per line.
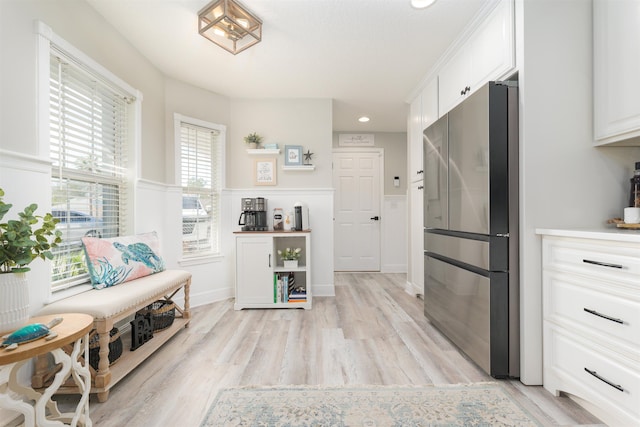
x=290, y=257
x=22, y=240
x=253, y=139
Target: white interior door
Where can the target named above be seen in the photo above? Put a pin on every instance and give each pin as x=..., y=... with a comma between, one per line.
x=357, y=182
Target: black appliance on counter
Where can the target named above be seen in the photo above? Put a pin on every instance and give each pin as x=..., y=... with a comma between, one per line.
x=254, y=214
x=471, y=288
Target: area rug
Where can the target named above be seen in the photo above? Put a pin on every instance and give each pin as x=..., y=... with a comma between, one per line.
x=483, y=404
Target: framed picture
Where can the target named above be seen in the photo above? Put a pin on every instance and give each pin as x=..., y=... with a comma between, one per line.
x=265, y=172
x=356, y=139
x=292, y=155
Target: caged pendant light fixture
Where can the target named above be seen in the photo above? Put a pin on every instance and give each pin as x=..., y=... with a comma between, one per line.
x=230, y=25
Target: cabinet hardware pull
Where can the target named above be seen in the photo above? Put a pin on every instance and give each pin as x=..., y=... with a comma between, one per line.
x=603, y=264
x=420, y=187
x=269, y=260
x=419, y=172
x=595, y=374
x=604, y=316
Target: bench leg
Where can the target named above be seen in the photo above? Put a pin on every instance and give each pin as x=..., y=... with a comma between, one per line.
x=103, y=396
x=187, y=306
x=103, y=375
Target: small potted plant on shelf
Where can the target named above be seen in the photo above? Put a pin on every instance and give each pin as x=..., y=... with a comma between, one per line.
x=21, y=241
x=290, y=257
x=253, y=139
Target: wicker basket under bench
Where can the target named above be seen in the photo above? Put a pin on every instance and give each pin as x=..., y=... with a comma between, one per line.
x=111, y=305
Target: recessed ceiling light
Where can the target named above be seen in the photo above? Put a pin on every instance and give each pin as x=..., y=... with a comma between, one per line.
x=421, y=4
x=364, y=119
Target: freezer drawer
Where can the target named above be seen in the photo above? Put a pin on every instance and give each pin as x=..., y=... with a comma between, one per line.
x=457, y=302
x=473, y=252
x=490, y=253
x=472, y=310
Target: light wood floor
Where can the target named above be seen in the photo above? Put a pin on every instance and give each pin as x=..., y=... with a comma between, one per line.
x=371, y=332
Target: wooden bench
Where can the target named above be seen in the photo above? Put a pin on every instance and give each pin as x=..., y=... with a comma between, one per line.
x=111, y=305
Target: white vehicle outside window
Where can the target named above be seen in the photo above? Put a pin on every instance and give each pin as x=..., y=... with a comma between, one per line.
x=196, y=222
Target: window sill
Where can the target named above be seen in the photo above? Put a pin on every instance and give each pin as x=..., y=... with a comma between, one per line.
x=68, y=292
x=202, y=259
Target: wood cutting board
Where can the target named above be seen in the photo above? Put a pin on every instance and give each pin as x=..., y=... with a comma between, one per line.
x=629, y=226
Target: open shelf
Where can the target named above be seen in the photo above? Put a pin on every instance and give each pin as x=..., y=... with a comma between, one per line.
x=262, y=151
x=299, y=168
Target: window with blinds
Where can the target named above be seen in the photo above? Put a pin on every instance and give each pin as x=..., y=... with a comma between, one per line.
x=201, y=161
x=88, y=133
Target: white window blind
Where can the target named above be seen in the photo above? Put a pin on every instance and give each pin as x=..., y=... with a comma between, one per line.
x=201, y=177
x=88, y=131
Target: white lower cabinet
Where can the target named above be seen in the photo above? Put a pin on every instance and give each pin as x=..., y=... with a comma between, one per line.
x=262, y=279
x=591, y=312
x=416, y=246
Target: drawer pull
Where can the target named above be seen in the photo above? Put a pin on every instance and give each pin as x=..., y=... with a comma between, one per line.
x=595, y=374
x=603, y=264
x=604, y=316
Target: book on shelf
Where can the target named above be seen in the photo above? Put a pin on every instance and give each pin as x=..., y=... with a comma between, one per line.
x=286, y=290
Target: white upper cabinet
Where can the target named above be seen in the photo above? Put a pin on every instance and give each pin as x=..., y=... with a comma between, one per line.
x=414, y=133
x=616, y=60
x=487, y=55
x=422, y=112
x=429, y=103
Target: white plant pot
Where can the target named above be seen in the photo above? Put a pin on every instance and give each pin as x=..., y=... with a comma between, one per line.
x=290, y=263
x=14, y=301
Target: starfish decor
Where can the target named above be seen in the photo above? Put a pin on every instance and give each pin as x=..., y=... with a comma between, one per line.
x=307, y=157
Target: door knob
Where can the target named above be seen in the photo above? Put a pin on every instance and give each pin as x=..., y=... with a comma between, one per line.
x=375, y=218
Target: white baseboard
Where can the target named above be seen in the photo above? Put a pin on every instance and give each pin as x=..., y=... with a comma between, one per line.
x=412, y=289
x=328, y=290
x=209, y=297
x=394, y=268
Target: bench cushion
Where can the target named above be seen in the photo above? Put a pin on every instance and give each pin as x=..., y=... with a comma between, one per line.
x=109, y=302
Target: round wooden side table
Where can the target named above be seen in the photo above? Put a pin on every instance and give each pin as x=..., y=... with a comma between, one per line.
x=74, y=329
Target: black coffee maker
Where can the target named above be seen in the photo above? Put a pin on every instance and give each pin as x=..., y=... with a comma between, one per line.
x=254, y=214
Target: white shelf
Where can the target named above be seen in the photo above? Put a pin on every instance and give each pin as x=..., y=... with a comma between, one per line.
x=262, y=151
x=299, y=168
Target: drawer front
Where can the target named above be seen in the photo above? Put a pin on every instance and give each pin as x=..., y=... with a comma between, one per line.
x=613, y=261
x=578, y=299
x=592, y=374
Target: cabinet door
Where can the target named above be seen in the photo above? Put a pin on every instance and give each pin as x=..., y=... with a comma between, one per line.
x=254, y=272
x=616, y=70
x=417, y=237
x=429, y=104
x=492, y=48
x=414, y=133
x=487, y=55
x=452, y=80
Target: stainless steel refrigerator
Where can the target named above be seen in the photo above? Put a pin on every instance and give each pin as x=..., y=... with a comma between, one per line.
x=471, y=227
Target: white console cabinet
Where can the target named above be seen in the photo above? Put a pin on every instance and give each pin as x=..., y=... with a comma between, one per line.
x=258, y=268
x=591, y=311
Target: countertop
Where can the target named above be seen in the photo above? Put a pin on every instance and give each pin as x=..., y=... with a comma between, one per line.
x=609, y=233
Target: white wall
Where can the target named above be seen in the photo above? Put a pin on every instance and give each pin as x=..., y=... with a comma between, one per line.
x=565, y=181
x=393, y=258
x=305, y=122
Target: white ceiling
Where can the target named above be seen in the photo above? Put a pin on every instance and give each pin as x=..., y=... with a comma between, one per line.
x=367, y=55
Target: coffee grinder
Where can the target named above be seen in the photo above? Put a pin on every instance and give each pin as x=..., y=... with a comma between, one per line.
x=254, y=214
